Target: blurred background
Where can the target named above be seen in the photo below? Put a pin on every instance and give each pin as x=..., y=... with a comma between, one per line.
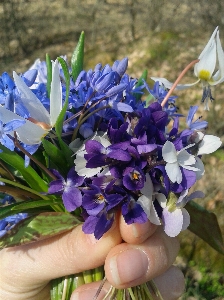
x=157, y=35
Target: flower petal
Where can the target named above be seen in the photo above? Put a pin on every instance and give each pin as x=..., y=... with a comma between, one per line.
x=206, y=66
x=209, y=144
x=56, y=186
x=56, y=94
x=173, y=222
x=186, y=219
x=31, y=102
x=169, y=84
x=209, y=43
x=29, y=133
x=184, y=158
x=169, y=152
x=173, y=172
x=80, y=166
x=220, y=55
x=72, y=198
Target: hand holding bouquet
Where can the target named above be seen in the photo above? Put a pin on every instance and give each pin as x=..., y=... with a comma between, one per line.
x=96, y=147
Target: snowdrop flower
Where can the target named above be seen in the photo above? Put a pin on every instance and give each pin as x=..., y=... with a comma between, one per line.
x=211, y=56
x=175, y=217
x=147, y=198
x=176, y=159
x=40, y=121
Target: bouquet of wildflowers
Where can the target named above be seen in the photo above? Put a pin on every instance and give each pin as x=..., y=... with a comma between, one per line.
x=81, y=146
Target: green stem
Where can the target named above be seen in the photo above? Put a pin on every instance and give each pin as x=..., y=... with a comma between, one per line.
x=7, y=170
x=87, y=275
x=131, y=294
x=65, y=286
x=156, y=290
x=98, y=274
x=93, y=105
x=147, y=293
x=23, y=187
x=95, y=111
x=82, y=120
x=37, y=162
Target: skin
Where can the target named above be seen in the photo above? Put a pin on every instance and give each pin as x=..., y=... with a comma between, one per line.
x=146, y=253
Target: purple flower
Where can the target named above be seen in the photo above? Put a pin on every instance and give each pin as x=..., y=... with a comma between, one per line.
x=133, y=212
x=71, y=195
x=98, y=224
x=134, y=178
x=94, y=200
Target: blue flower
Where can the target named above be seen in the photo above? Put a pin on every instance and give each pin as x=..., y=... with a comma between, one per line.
x=9, y=222
x=8, y=129
x=197, y=124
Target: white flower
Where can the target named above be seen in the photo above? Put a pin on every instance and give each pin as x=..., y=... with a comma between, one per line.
x=147, y=199
x=40, y=121
x=204, y=70
x=207, y=143
x=175, y=217
x=174, y=159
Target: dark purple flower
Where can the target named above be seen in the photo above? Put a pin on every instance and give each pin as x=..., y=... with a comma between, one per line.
x=133, y=212
x=134, y=178
x=94, y=200
x=98, y=224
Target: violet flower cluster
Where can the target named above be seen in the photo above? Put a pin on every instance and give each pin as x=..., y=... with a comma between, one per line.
x=126, y=157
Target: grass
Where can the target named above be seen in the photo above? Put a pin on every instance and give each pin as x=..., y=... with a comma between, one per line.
x=203, y=283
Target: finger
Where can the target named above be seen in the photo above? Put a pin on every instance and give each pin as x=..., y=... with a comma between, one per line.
x=129, y=265
x=136, y=233
x=170, y=285
x=58, y=256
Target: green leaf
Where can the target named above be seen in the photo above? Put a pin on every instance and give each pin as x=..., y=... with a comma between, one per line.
x=205, y=225
x=17, y=193
x=25, y=205
x=141, y=82
x=59, y=124
x=28, y=173
x=56, y=156
x=10, y=210
x=39, y=227
x=78, y=57
x=49, y=74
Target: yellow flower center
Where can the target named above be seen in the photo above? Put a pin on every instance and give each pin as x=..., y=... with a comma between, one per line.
x=100, y=198
x=135, y=176
x=204, y=75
